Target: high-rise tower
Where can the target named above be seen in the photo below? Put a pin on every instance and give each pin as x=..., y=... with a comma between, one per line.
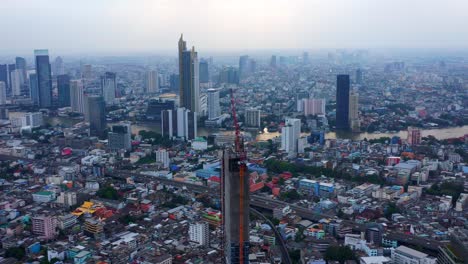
x=235, y=199
x=189, y=85
x=235, y=194
x=342, y=102
x=44, y=78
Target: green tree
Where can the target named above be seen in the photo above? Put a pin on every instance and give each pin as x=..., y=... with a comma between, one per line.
x=15, y=252
x=339, y=253
x=108, y=192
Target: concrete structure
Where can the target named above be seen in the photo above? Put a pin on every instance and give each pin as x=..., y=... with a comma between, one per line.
x=3, y=91
x=342, y=102
x=290, y=134
x=63, y=87
x=152, y=81
x=44, y=78
x=120, y=137
x=252, y=117
x=16, y=79
x=96, y=115
x=375, y=260
x=214, y=110
x=181, y=123
x=44, y=226
x=235, y=208
x=354, y=112
x=406, y=255
x=109, y=87
x=200, y=233
x=162, y=156
x=414, y=136
x=43, y=196
x=77, y=99
x=313, y=106
x=189, y=91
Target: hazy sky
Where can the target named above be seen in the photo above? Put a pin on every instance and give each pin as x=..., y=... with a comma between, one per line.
x=80, y=26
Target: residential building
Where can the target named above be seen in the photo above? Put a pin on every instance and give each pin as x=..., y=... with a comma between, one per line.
x=120, y=137
x=96, y=115
x=200, y=233
x=109, y=87
x=162, y=156
x=152, y=81
x=252, y=117
x=44, y=226
x=77, y=96
x=214, y=110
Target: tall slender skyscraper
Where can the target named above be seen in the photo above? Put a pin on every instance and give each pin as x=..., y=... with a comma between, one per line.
x=354, y=112
x=21, y=65
x=33, y=89
x=16, y=79
x=189, y=92
x=152, y=81
x=58, y=66
x=96, y=115
x=77, y=99
x=204, y=71
x=2, y=93
x=243, y=66
x=342, y=102
x=4, y=74
x=63, y=87
x=109, y=87
x=44, y=78
x=214, y=109
x=11, y=68
x=235, y=207
x=358, y=76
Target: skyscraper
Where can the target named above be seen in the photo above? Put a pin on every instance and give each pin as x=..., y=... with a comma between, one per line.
x=44, y=78
x=313, y=106
x=229, y=75
x=200, y=233
x=21, y=65
x=354, y=112
x=342, y=102
x=2, y=93
x=108, y=87
x=181, y=123
x=290, y=133
x=214, y=110
x=33, y=89
x=204, y=71
x=4, y=75
x=77, y=96
x=11, y=68
x=252, y=117
x=58, y=66
x=273, y=61
x=305, y=57
x=359, y=76
x=96, y=115
x=414, y=136
x=189, y=92
x=243, y=66
x=162, y=156
x=152, y=82
x=16, y=80
x=120, y=137
x=63, y=87
x=236, y=201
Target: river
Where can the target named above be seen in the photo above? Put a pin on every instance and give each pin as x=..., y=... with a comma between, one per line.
x=439, y=133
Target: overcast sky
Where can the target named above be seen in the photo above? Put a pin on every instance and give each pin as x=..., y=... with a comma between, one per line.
x=77, y=26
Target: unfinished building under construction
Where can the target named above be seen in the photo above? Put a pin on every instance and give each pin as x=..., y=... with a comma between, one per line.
x=235, y=195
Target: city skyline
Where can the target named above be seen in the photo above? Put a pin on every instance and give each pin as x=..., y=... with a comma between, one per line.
x=231, y=25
